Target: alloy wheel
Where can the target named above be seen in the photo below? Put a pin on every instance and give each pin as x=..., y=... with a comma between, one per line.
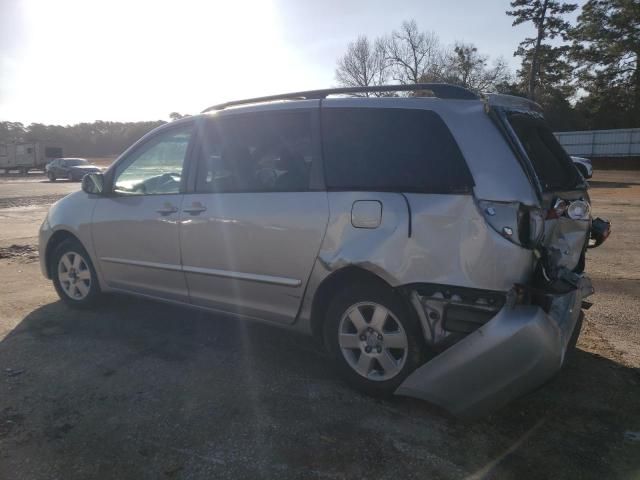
x=373, y=341
x=74, y=275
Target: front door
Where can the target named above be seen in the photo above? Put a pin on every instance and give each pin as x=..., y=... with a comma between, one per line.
x=252, y=229
x=135, y=228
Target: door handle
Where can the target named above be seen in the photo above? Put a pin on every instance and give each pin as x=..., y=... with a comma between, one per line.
x=195, y=209
x=168, y=209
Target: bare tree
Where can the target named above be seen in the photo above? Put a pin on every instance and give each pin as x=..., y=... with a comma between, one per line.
x=410, y=56
x=414, y=56
x=363, y=65
x=466, y=67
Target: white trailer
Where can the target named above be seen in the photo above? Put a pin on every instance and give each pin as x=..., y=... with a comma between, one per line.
x=26, y=156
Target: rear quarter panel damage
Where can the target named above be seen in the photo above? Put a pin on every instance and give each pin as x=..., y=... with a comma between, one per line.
x=450, y=244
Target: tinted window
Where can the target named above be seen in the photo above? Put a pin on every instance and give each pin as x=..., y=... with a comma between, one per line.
x=550, y=162
x=391, y=149
x=155, y=167
x=75, y=163
x=256, y=152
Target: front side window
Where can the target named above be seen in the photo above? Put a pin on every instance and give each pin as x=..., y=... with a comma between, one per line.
x=391, y=149
x=156, y=167
x=256, y=152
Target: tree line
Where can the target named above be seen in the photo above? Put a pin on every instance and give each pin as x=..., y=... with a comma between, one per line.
x=585, y=75
x=97, y=139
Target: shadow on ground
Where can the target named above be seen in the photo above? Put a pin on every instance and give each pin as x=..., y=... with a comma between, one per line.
x=142, y=390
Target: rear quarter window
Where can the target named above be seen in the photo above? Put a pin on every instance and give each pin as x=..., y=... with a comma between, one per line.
x=552, y=164
x=387, y=149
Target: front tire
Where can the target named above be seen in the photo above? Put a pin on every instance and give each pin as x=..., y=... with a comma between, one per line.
x=52, y=177
x=74, y=276
x=70, y=177
x=373, y=338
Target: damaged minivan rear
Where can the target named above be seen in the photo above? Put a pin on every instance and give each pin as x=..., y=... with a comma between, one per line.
x=435, y=244
x=472, y=214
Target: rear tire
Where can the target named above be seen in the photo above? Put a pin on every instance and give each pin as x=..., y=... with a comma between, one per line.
x=74, y=276
x=373, y=337
x=70, y=177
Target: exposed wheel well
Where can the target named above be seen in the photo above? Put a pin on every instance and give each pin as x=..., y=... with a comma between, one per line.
x=332, y=284
x=56, y=239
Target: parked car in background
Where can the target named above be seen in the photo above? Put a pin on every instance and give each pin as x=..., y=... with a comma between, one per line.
x=435, y=245
x=583, y=165
x=73, y=169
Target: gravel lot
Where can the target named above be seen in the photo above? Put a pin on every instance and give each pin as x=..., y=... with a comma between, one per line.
x=140, y=390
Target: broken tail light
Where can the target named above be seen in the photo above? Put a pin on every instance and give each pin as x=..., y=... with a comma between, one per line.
x=518, y=223
x=575, y=210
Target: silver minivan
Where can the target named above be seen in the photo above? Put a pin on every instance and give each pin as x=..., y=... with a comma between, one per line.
x=435, y=244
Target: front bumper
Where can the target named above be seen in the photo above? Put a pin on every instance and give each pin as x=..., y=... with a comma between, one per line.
x=44, y=234
x=516, y=351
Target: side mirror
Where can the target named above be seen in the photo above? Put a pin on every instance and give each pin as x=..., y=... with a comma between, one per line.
x=93, y=183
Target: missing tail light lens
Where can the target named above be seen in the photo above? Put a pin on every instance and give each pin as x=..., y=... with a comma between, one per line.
x=514, y=221
x=533, y=226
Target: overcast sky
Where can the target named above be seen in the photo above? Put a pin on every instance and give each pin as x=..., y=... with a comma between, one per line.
x=66, y=61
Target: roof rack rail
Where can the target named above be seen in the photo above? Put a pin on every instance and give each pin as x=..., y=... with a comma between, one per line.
x=440, y=90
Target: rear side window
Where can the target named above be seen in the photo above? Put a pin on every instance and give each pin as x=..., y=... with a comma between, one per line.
x=256, y=152
x=552, y=164
x=385, y=149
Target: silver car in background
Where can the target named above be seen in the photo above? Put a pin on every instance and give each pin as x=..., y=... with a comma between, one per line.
x=435, y=244
x=583, y=165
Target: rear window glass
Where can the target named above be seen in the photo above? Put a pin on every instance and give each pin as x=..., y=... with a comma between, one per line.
x=391, y=150
x=552, y=164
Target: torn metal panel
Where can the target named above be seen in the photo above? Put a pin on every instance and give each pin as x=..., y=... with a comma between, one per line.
x=447, y=314
x=516, y=351
x=451, y=242
x=565, y=239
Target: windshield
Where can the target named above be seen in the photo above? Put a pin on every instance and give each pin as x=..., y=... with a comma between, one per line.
x=75, y=162
x=551, y=163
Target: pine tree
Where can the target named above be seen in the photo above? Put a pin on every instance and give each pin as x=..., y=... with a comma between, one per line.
x=546, y=16
x=606, y=47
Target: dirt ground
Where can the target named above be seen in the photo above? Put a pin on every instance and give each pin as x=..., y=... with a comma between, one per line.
x=141, y=390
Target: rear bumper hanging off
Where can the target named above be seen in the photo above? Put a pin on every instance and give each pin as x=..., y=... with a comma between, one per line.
x=515, y=352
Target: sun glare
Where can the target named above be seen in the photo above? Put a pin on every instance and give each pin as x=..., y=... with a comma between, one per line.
x=135, y=60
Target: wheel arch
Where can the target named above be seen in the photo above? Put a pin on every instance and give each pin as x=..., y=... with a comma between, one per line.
x=333, y=283
x=56, y=239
